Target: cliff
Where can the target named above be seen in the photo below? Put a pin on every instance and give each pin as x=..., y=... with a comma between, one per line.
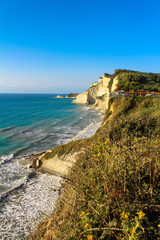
x=99, y=92
x=112, y=189
x=125, y=82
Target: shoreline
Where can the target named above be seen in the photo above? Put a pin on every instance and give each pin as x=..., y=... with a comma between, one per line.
x=25, y=189
x=27, y=161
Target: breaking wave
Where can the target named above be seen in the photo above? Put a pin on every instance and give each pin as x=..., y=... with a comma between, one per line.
x=5, y=158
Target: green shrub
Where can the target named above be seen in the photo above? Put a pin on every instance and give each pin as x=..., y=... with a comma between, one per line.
x=136, y=81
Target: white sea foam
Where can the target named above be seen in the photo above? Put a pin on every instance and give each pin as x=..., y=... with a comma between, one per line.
x=88, y=131
x=72, y=134
x=26, y=207
x=31, y=133
x=5, y=158
x=12, y=175
x=80, y=135
x=37, y=197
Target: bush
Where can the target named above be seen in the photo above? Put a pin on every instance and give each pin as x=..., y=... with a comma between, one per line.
x=137, y=81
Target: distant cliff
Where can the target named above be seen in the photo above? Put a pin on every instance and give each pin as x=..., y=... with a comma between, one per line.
x=123, y=81
x=72, y=95
x=98, y=93
x=101, y=187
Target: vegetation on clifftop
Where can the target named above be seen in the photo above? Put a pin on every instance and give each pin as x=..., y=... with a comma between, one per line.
x=113, y=190
x=138, y=81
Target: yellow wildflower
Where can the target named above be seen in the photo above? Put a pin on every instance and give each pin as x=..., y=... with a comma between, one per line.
x=82, y=214
x=159, y=225
x=126, y=216
x=136, y=217
x=86, y=225
x=87, y=214
x=90, y=237
x=122, y=223
x=122, y=214
x=133, y=231
x=142, y=214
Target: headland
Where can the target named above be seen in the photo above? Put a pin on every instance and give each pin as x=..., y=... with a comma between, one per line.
x=111, y=190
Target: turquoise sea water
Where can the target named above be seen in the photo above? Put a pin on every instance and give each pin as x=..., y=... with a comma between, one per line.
x=37, y=122
x=32, y=123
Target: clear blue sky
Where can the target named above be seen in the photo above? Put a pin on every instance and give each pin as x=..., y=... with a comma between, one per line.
x=61, y=46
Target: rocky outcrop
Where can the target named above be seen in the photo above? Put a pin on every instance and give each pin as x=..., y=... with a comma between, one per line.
x=98, y=93
x=72, y=95
x=93, y=84
x=82, y=98
x=59, y=165
x=58, y=96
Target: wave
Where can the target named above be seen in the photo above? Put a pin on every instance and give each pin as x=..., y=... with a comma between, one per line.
x=82, y=132
x=6, y=129
x=32, y=133
x=6, y=158
x=19, y=183
x=61, y=135
x=13, y=175
x=17, y=152
x=31, y=196
x=47, y=133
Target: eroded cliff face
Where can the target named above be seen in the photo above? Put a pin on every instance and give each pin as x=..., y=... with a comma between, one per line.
x=81, y=98
x=59, y=165
x=98, y=93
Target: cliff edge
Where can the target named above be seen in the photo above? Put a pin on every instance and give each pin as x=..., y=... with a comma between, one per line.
x=114, y=180
x=98, y=93
x=121, y=83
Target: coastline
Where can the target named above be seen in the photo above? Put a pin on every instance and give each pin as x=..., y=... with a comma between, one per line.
x=119, y=113
x=24, y=191
x=87, y=197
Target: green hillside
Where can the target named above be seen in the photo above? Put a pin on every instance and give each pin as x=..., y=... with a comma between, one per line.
x=113, y=190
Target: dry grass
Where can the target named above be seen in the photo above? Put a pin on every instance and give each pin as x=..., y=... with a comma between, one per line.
x=113, y=191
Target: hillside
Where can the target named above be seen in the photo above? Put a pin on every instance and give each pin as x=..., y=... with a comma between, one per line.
x=113, y=189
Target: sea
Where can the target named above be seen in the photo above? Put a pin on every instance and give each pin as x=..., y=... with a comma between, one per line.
x=31, y=124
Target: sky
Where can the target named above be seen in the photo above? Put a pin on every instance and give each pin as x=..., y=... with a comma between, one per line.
x=62, y=46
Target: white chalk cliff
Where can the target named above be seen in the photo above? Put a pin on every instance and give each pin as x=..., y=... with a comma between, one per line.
x=98, y=94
